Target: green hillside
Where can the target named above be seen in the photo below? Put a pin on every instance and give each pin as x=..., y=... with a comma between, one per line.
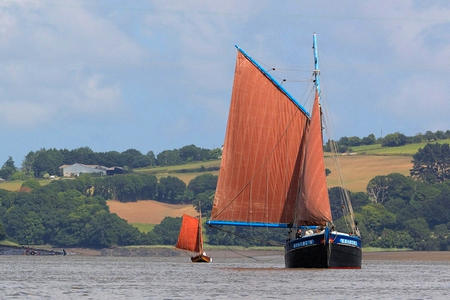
x=408, y=149
x=14, y=185
x=185, y=172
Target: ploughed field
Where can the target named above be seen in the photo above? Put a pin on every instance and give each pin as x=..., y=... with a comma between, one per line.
x=148, y=211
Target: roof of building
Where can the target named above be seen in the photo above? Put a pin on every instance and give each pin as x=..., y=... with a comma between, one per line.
x=98, y=167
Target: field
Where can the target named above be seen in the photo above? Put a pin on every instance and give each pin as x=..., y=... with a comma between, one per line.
x=377, y=149
x=143, y=227
x=357, y=170
x=14, y=186
x=148, y=211
x=177, y=171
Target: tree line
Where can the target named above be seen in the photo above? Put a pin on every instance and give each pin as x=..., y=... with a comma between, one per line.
x=47, y=161
x=345, y=143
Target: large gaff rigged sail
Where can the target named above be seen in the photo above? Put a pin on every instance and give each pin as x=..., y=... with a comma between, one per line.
x=313, y=204
x=259, y=173
x=190, y=236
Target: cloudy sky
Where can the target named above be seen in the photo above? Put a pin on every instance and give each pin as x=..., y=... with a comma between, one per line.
x=156, y=75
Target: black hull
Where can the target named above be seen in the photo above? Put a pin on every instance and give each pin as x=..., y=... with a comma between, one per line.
x=201, y=259
x=313, y=252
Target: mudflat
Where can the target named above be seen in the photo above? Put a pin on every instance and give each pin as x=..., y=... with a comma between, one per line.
x=408, y=256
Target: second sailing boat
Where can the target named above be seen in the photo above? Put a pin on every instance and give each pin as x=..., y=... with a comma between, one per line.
x=190, y=238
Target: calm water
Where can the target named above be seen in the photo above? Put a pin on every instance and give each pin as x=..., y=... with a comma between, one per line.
x=81, y=277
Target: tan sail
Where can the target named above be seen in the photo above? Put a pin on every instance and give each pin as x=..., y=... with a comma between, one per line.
x=261, y=161
x=313, y=206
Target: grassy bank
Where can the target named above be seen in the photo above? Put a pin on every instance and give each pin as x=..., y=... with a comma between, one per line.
x=143, y=227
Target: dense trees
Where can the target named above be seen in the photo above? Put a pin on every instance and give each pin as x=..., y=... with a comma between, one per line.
x=167, y=231
x=203, y=188
x=432, y=163
x=394, y=140
x=335, y=195
x=406, y=213
x=186, y=154
x=8, y=169
x=125, y=188
x=345, y=143
x=61, y=215
x=171, y=190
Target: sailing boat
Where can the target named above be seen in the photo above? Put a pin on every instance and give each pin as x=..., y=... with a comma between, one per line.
x=272, y=172
x=190, y=238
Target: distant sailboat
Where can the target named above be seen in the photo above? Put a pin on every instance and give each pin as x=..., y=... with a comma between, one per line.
x=272, y=172
x=190, y=238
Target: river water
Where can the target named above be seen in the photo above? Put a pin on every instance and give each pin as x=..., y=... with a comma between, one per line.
x=90, y=277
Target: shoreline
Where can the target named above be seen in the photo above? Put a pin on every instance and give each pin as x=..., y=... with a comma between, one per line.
x=227, y=252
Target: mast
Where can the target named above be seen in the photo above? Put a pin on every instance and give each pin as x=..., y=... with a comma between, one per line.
x=316, y=66
x=346, y=197
x=200, y=235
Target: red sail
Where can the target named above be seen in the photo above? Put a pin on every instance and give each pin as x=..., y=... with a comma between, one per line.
x=313, y=203
x=259, y=173
x=190, y=235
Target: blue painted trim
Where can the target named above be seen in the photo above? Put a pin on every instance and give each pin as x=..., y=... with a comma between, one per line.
x=351, y=240
x=306, y=227
x=257, y=224
x=274, y=81
x=251, y=224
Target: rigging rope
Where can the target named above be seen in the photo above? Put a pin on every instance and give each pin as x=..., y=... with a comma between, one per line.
x=261, y=241
x=273, y=243
x=344, y=195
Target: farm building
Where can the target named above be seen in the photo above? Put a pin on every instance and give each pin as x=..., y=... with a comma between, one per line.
x=76, y=169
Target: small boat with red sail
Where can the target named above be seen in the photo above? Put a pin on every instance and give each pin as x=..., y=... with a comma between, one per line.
x=272, y=171
x=190, y=238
